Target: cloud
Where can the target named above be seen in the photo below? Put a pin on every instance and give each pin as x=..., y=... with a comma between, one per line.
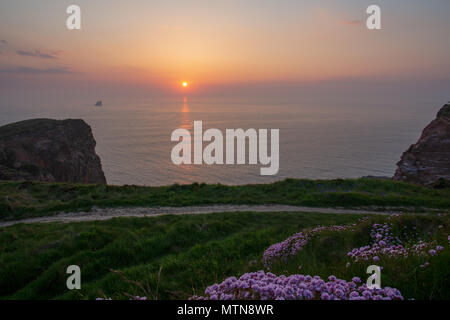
x=36, y=71
x=3, y=42
x=37, y=54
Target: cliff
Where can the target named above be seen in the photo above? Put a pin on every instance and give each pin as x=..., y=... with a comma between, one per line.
x=49, y=150
x=428, y=160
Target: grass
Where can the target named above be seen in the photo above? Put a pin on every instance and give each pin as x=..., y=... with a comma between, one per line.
x=193, y=251
x=175, y=257
x=27, y=199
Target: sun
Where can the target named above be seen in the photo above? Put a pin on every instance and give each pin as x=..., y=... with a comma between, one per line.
x=185, y=84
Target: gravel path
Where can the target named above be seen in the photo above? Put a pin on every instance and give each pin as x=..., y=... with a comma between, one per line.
x=109, y=213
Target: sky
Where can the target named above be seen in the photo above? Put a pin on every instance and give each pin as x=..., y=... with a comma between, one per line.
x=222, y=46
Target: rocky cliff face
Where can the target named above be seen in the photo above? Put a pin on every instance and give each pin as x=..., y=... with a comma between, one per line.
x=49, y=150
x=428, y=160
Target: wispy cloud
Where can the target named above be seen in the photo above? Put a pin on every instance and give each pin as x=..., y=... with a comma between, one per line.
x=3, y=42
x=37, y=54
x=36, y=71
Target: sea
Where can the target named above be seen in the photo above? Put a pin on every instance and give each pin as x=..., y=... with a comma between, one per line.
x=318, y=140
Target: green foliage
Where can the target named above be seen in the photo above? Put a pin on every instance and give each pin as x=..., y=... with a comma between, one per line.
x=27, y=199
x=124, y=255
x=175, y=257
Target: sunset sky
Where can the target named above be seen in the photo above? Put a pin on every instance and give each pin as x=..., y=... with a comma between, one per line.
x=212, y=44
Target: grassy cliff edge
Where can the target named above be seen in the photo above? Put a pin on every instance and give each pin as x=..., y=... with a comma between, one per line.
x=30, y=199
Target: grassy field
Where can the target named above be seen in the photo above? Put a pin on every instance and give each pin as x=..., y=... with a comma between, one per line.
x=175, y=257
x=27, y=199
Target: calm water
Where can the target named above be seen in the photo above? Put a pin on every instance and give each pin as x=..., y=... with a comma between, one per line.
x=316, y=141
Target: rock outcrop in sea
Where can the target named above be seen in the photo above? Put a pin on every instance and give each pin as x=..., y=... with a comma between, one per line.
x=49, y=150
x=428, y=161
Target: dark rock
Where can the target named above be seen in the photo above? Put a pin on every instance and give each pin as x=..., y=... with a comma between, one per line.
x=441, y=184
x=428, y=161
x=49, y=150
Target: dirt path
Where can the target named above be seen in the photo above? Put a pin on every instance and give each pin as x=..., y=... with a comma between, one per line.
x=109, y=213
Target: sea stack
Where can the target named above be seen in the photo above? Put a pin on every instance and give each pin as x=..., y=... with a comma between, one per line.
x=49, y=150
x=428, y=160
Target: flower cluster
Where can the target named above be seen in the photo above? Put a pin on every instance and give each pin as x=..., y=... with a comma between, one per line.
x=285, y=249
x=295, y=243
x=138, y=298
x=373, y=253
x=267, y=286
x=419, y=249
x=386, y=244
